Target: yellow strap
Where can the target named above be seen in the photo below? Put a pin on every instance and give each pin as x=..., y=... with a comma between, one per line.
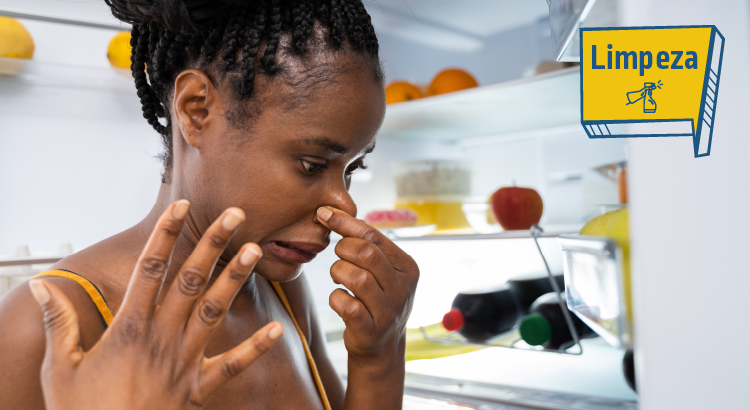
x=94, y=294
x=310, y=359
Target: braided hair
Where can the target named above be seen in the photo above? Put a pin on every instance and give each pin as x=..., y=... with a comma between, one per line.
x=228, y=36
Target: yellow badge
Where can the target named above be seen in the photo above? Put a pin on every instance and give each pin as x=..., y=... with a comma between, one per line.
x=651, y=82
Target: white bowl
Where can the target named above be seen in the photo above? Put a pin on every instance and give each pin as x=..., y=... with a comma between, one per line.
x=476, y=214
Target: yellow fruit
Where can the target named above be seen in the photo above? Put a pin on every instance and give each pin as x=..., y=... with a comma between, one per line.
x=118, y=51
x=618, y=229
x=615, y=225
x=401, y=91
x=599, y=225
x=15, y=41
x=448, y=81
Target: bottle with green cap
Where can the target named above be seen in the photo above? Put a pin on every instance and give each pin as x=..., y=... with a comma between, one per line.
x=545, y=324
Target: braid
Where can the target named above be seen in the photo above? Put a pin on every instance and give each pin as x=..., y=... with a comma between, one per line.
x=154, y=31
x=175, y=54
x=159, y=59
x=302, y=26
x=370, y=37
x=228, y=53
x=269, y=57
x=321, y=10
x=337, y=23
x=139, y=38
x=250, y=51
x=168, y=38
x=209, y=48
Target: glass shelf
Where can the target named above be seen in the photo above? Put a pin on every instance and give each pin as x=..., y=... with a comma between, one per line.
x=549, y=101
x=550, y=231
x=40, y=73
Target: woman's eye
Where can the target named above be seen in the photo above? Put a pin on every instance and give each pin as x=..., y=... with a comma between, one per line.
x=313, y=167
x=354, y=167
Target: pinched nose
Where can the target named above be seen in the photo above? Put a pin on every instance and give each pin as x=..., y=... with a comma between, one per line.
x=340, y=199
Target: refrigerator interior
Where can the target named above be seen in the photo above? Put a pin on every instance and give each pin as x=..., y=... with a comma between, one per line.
x=79, y=164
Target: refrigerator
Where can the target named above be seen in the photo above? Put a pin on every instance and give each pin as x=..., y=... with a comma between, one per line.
x=75, y=151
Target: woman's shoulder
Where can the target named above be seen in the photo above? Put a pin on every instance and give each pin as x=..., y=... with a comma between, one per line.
x=22, y=341
x=107, y=265
x=21, y=315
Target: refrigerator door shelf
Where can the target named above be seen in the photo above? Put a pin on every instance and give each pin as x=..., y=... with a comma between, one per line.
x=596, y=286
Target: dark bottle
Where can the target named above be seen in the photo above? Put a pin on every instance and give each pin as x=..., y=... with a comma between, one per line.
x=530, y=286
x=480, y=315
x=545, y=324
x=628, y=369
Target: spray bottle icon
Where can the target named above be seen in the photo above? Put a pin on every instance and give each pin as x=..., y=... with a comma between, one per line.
x=649, y=104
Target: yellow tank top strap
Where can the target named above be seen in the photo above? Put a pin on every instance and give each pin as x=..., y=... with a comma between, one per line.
x=89, y=287
x=310, y=360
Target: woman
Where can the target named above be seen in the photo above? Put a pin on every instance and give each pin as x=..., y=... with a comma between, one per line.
x=267, y=106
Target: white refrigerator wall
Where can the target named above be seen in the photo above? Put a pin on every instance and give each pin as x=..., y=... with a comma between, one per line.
x=689, y=230
x=76, y=165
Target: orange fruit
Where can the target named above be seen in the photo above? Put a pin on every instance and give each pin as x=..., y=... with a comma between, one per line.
x=452, y=79
x=400, y=91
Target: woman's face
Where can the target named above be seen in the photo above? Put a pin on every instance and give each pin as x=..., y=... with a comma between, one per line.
x=296, y=154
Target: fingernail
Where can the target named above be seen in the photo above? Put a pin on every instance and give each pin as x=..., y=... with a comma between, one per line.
x=249, y=256
x=275, y=332
x=232, y=220
x=40, y=292
x=324, y=213
x=180, y=209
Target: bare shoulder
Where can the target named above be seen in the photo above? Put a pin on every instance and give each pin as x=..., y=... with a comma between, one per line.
x=22, y=341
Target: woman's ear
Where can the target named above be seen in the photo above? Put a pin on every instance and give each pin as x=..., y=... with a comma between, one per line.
x=194, y=105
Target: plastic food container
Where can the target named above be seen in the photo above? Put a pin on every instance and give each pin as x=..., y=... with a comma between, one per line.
x=434, y=190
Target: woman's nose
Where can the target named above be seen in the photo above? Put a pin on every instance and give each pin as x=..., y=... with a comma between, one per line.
x=339, y=198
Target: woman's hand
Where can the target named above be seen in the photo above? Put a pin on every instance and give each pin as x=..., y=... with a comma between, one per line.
x=152, y=357
x=383, y=279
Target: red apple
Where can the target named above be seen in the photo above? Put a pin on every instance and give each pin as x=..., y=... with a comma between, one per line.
x=516, y=207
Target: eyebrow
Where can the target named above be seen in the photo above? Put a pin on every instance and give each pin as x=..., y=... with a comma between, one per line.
x=327, y=143
x=332, y=145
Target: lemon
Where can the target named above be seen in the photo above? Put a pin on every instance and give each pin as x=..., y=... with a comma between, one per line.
x=118, y=51
x=599, y=225
x=15, y=41
x=618, y=229
x=615, y=226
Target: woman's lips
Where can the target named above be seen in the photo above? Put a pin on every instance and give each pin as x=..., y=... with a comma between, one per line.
x=294, y=252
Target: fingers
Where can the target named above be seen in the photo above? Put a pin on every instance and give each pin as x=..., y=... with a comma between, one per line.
x=348, y=226
x=362, y=284
x=219, y=369
x=148, y=276
x=213, y=306
x=352, y=310
x=196, y=271
x=369, y=257
x=60, y=324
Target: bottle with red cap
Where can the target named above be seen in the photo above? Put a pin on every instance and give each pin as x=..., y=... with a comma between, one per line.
x=480, y=315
